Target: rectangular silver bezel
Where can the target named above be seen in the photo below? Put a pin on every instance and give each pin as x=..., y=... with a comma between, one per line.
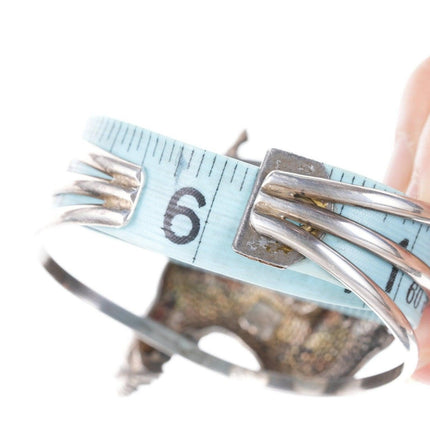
x=247, y=241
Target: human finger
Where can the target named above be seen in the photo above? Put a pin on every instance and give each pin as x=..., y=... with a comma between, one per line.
x=419, y=184
x=414, y=111
x=422, y=373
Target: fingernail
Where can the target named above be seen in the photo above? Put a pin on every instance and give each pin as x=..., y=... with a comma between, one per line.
x=424, y=192
x=413, y=190
x=424, y=359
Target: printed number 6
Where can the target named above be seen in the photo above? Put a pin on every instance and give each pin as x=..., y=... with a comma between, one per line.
x=173, y=209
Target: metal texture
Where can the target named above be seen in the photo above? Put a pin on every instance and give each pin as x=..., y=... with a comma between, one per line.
x=353, y=279
x=286, y=335
x=330, y=222
x=282, y=197
x=116, y=182
x=262, y=319
x=303, y=185
x=293, y=338
x=169, y=342
x=264, y=249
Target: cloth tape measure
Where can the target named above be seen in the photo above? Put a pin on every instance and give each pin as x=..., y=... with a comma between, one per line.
x=192, y=202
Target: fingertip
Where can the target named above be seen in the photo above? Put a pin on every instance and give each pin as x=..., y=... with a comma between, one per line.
x=400, y=166
x=419, y=186
x=422, y=373
x=413, y=113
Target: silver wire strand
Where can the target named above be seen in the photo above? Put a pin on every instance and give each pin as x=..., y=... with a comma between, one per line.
x=119, y=194
x=347, y=229
x=280, y=184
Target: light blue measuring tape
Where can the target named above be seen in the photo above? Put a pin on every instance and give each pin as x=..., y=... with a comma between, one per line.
x=207, y=194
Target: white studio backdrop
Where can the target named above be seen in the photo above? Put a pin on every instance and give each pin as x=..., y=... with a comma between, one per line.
x=322, y=79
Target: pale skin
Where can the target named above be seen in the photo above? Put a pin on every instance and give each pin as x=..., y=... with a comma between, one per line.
x=409, y=171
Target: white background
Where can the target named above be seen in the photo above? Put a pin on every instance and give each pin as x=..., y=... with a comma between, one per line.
x=322, y=79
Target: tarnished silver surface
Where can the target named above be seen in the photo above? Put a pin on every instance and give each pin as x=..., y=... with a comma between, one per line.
x=283, y=196
x=264, y=249
x=353, y=279
x=303, y=185
x=330, y=222
x=168, y=342
x=300, y=347
x=118, y=188
x=295, y=341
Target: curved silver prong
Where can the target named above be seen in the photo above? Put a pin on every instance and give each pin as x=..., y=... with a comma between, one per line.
x=113, y=195
x=344, y=271
x=170, y=342
x=128, y=176
x=91, y=215
x=119, y=192
x=278, y=183
x=347, y=229
x=128, y=173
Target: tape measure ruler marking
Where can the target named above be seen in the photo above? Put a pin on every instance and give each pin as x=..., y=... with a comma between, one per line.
x=192, y=202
